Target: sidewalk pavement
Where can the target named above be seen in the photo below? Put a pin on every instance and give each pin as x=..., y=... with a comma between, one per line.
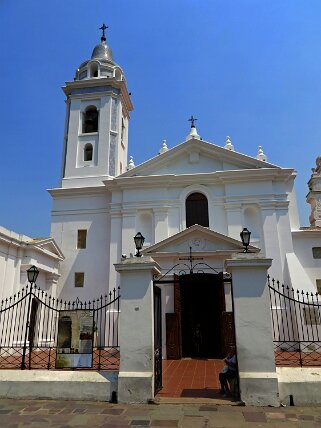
x=65, y=414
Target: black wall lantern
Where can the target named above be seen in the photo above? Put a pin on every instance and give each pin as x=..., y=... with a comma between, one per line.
x=32, y=274
x=139, y=242
x=245, y=236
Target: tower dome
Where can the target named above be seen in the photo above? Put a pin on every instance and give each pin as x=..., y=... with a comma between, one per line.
x=101, y=64
x=102, y=52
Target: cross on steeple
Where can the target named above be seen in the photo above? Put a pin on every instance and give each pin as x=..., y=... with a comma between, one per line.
x=103, y=28
x=192, y=120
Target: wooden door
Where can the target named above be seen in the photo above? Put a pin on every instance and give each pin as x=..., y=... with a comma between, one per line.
x=228, y=331
x=172, y=337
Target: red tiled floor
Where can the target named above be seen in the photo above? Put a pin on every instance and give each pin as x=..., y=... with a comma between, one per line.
x=190, y=378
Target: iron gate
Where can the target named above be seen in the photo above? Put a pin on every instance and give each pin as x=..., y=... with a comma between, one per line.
x=157, y=340
x=29, y=329
x=296, y=325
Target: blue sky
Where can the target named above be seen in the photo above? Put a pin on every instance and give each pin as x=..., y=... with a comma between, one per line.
x=250, y=69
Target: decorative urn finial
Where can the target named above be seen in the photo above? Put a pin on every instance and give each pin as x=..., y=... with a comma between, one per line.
x=260, y=155
x=131, y=164
x=228, y=144
x=164, y=147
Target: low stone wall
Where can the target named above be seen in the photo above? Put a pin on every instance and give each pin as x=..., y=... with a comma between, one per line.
x=66, y=385
x=302, y=383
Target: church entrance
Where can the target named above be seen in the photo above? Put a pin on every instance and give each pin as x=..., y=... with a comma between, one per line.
x=202, y=323
x=199, y=334
x=202, y=305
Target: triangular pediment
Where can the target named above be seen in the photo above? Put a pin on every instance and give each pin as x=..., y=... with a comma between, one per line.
x=196, y=156
x=49, y=245
x=200, y=239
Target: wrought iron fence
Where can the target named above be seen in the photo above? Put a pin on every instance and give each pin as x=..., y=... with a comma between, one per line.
x=31, y=320
x=296, y=325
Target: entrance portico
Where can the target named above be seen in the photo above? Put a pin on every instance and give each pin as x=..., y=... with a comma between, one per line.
x=176, y=295
x=197, y=319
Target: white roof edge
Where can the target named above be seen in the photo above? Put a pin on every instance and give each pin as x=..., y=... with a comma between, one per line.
x=170, y=152
x=24, y=240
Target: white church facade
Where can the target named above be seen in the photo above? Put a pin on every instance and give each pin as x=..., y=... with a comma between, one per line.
x=102, y=201
x=190, y=203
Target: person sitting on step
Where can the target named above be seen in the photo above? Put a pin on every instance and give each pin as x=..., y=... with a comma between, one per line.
x=229, y=371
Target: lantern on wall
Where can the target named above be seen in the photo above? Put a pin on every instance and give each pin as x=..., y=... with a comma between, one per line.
x=32, y=274
x=139, y=242
x=245, y=236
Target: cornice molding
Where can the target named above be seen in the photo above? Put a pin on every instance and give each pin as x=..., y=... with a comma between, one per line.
x=217, y=177
x=311, y=233
x=77, y=191
x=55, y=213
x=103, y=81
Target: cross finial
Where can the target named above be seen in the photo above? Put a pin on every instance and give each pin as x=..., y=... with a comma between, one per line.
x=103, y=28
x=192, y=120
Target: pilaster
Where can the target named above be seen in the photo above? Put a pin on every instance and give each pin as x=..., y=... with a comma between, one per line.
x=161, y=224
x=234, y=220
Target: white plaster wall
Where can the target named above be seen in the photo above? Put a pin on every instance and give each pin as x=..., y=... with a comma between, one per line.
x=89, y=212
x=293, y=206
x=303, y=383
x=303, y=243
x=9, y=280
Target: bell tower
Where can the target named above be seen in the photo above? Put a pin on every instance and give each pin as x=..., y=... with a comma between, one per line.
x=97, y=117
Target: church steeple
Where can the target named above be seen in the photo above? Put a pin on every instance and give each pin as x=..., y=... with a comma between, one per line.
x=97, y=118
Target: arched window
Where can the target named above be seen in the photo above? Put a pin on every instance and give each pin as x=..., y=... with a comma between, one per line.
x=118, y=74
x=90, y=120
x=94, y=70
x=197, y=210
x=88, y=152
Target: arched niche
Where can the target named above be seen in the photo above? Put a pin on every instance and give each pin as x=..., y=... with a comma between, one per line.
x=88, y=152
x=251, y=220
x=144, y=225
